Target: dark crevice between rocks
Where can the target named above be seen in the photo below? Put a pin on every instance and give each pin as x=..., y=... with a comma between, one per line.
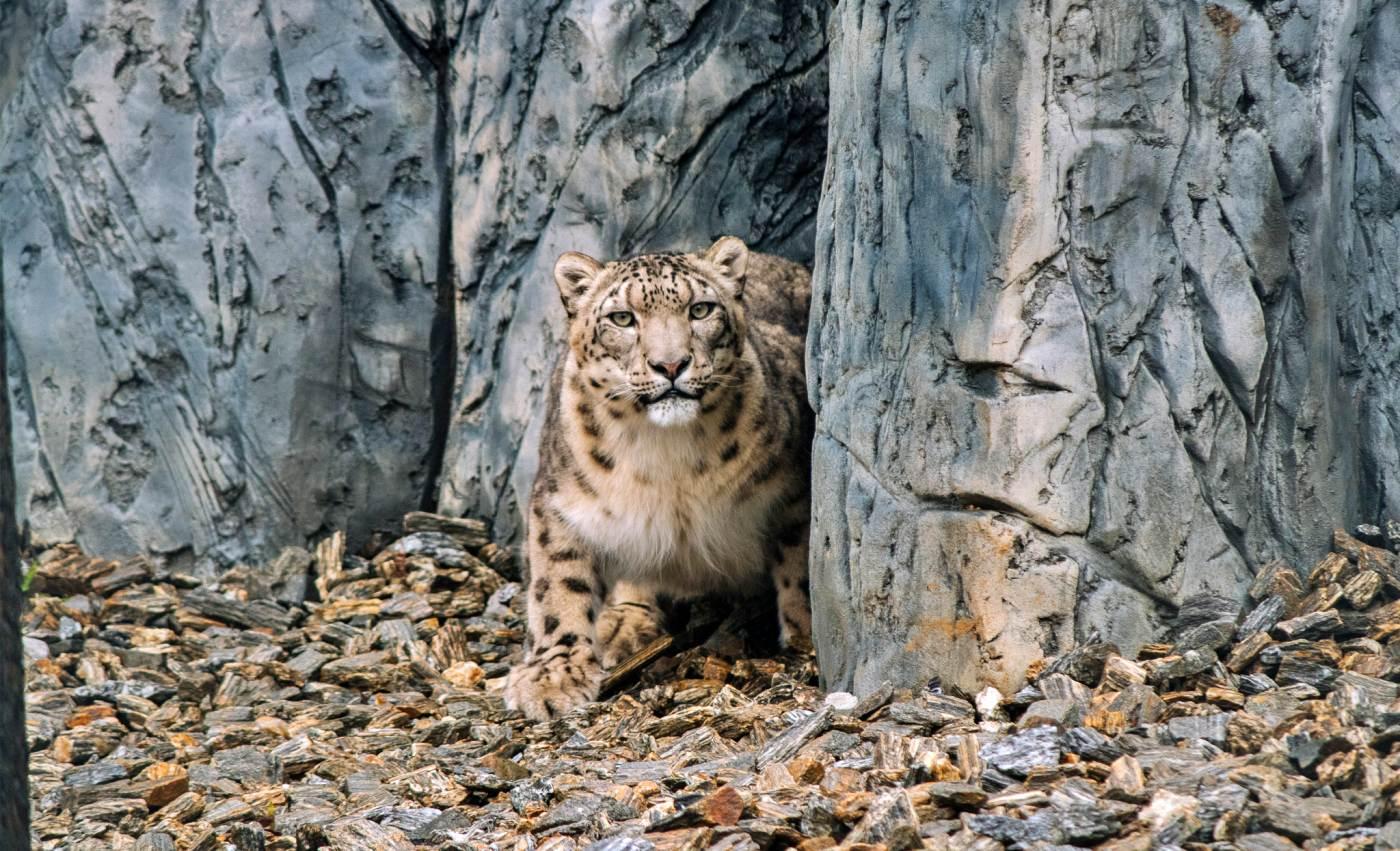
x=434, y=62
x=421, y=55
x=442, y=337
x=14, y=788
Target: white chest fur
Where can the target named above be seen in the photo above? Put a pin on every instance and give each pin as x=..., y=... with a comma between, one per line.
x=660, y=523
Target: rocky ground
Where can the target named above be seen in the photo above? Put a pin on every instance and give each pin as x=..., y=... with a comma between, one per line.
x=331, y=701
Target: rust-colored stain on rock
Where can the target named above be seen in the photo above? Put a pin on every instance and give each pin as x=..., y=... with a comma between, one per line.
x=927, y=630
x=1222, y=19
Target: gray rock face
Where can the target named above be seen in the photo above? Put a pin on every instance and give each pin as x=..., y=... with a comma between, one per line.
x=1102, y=318
x=235, y=237
x=220, y=259
x=609, y=128
x=17, y=25
x=1104, y=311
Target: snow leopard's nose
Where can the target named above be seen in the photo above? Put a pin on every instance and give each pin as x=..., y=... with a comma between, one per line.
x=670, y=369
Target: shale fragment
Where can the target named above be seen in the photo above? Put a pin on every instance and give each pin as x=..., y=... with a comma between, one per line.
x=330, y=701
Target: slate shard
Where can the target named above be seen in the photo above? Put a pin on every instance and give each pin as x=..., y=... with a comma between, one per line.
x=376, y=722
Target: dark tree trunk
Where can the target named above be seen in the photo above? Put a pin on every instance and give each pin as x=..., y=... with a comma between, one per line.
x=1103, y=318
x=14, y=743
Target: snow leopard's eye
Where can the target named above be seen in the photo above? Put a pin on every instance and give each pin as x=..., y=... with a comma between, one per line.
x=621, y=318
x=701, y=309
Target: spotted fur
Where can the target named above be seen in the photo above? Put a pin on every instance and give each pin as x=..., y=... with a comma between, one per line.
x=674, y=458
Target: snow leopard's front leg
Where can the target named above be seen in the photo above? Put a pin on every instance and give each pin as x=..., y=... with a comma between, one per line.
x=631, y=621
x=788, y=563
x=561, y=670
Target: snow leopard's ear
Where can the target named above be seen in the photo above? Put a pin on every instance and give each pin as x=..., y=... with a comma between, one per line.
x=731, y=256
x=574, y=273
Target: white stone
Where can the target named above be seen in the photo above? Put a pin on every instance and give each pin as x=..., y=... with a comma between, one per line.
x=988, y=704
x=842, y=701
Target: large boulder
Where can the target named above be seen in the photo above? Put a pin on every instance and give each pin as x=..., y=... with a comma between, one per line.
x=1103, y=318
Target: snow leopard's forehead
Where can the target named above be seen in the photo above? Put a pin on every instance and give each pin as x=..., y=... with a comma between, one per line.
x=662, y=281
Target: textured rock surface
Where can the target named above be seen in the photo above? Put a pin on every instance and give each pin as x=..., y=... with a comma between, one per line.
x=612, y=128
x=1103, y=318
x=220, y=256
x=1105, y=310
x=230, y=234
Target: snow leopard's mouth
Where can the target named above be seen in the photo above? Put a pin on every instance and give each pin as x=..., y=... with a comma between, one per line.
x=673, y=393
x=673, y=408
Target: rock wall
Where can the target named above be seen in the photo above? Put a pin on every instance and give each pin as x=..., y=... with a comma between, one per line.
x=220, y=258
x=1105, y=308
x=278, y=266
x=17, y=27
x=609, y=128
x=1104, y=318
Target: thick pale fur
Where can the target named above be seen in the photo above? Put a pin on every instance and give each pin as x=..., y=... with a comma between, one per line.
x=674, y=458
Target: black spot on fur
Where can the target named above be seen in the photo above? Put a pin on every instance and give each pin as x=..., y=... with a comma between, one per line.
x=731, y=416
x=568, y=639
x=578, y=586
x=729, y=453
x=768, y=470
x=793, y=534
x=541, y=588
x=582, y=482
x=764, y=473
x=773, y=551
x=567, y=554
x=726, y=338
x=590, y=425
x=551, y=623
x=601, y=458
